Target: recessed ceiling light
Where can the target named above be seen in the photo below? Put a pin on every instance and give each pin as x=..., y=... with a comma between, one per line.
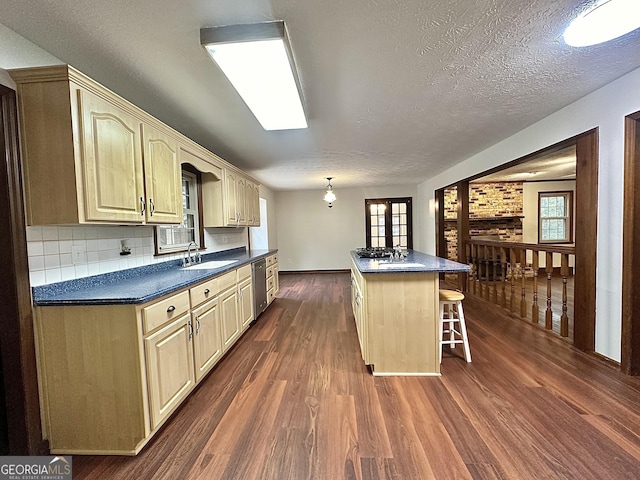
x=606, y=20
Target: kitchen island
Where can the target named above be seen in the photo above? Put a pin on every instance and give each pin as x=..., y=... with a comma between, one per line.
x=395, y=305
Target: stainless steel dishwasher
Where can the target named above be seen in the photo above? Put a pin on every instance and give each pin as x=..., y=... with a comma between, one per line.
x=259, y=274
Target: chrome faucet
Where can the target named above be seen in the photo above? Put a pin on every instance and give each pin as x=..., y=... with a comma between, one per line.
x=188, y=260
x=397, y=254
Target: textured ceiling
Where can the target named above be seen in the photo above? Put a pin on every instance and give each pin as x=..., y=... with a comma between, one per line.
x=554, y=166
x=395, y=91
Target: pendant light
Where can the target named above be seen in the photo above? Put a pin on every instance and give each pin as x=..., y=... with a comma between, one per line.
x=329, y=196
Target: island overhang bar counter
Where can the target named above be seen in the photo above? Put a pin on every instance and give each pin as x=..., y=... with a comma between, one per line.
x=396, y=309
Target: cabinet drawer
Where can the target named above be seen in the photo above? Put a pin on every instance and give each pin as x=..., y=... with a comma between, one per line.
x=204, y=291
x=227, y=280
x=270, y=296
x=165, y=310
x=244, y=272
x=270, y=283
x=271, y=259
x=269, y=271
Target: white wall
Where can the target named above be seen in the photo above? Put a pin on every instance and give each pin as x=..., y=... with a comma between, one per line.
x=530, y=191
x=272, y=221
x=312, y=236
x=605, y=109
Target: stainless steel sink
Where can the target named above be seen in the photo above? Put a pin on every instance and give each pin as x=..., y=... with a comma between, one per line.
x=210, y=265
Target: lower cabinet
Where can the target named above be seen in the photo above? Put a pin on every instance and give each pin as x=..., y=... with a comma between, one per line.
x=273, y=283
x=170, y=375
x=359, y=312
x=207, y=340
x=112, y=374
x=230, y=317
x=245, y=298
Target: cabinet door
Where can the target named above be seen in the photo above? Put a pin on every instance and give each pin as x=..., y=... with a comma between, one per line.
x=276, y=278
x=241, y=200
x=230, y=197
x=170, y=376
x=230, y=318
x=111, y=161
x=252, y=199
x=255, y=200
x=207, y=343
x=162, y=177
x=245, y=291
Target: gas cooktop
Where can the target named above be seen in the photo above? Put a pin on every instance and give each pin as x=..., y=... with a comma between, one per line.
x=374, y=252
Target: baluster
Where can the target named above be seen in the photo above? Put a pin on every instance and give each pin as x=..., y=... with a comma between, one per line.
x=480, y=268
x=487, y=286
x=469, y=250
x=503, y=263
x=523, y=279
x=548, y=314
x=535, y=308
x=494, y=258
x=474, y=253
x=564, y=271
x=512, y=273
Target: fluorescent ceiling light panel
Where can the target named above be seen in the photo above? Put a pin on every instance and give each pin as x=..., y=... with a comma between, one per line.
x=606, y=20
x=256, y=60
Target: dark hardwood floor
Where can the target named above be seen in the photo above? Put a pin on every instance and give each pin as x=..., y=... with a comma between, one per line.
x=293, y=400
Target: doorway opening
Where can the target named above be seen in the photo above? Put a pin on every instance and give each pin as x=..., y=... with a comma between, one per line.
x=494, y=219
x=630, y=357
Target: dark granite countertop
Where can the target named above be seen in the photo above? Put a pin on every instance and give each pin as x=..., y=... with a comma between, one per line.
x=415, y=262
x=141, y=284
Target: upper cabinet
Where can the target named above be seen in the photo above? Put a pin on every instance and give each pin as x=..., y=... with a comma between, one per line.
x=229, y=199
x=90, y=156
x=162, y=177
x=109, y=163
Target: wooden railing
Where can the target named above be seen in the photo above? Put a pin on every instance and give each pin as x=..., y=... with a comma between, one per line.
x=503, y=272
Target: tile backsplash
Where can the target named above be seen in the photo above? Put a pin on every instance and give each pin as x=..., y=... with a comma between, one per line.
x=59, y=253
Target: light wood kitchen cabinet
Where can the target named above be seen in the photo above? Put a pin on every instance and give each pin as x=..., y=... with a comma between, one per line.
x=230, y=317
x=245, y=296
x=231, y=198
x=95, y=140
x=238, y=199
x=112, y=374
x=170, y=372
x=273, y=282
x=252, y=199
x=230, y=202
x=111, y=161
x=358, y=303
x=162, y=177
x=114, y=163
x=207, y=342
x=396, y=317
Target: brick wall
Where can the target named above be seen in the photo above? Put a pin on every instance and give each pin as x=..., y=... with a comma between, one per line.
x=491, y=208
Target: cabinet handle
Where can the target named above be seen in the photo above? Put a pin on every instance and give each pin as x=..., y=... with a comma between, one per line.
x=152, y=209
x=190, y=329
x=171, y=309
x=143, y=206
x=206, y=292
x=197, y=325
